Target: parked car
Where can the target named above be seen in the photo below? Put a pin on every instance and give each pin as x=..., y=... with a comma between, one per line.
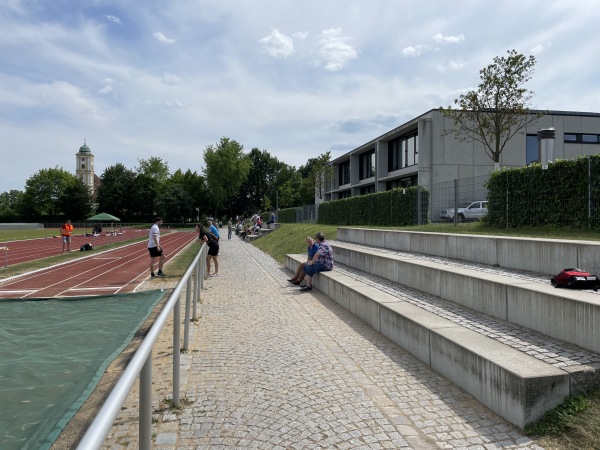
x=466, y=211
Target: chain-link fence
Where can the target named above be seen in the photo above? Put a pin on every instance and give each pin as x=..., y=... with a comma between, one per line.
x=307, y=214
x=458, y=200
x=565, y=193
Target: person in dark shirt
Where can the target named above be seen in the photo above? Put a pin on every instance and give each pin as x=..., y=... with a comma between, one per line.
x=213, y=251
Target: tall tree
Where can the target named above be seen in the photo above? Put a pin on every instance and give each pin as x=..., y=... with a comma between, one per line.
x=316, y=173
x=144, y=191
x=115, y=195
x=154, y=167
x=226, y=169
x=195, y=185
x=10, y=202
x=47, y=192
x=174, y=203
x=76, y=201
x=498, y=109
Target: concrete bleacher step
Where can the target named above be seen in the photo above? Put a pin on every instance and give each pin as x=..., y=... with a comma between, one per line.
x=543, y=256
x=519, y=384
x=528, y=300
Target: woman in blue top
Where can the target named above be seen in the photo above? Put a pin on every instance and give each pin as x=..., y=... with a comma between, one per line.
x=313, y=247
x=212, y=229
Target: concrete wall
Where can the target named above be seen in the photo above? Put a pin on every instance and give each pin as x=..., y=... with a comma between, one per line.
x=516, y=386
x=21, y=226
x=543, y=256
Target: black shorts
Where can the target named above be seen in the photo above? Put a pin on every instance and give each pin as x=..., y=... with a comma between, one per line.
x=155, y=252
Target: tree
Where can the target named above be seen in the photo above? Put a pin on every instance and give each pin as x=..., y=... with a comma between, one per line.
x=154, y=167
x=10, y=202
x=498, y=109
x=195, y=185
x=317, y=173
x=116, y=195
x=76, y=203
x=174, y=203
x=226, y=170
x=48, y=192
x=145, y=188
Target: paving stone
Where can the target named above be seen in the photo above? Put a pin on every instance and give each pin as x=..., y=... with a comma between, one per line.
x=271, y=367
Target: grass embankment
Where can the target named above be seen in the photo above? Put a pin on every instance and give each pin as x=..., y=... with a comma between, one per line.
x=573, y=425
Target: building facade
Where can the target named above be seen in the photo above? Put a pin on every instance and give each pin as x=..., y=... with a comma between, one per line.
x=84, y=166
x=419, y=153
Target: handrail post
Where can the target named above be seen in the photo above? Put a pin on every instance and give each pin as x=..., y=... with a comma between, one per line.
x=145, y=417
x=186, y=323
x=196, y=290
x=176, y=351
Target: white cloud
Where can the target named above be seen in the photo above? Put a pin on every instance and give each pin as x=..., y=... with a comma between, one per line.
x=212, y=84
x=450, y=65
x=162, y=38
x=277, y=44
x=415, y=50
x=171, y=79
x=439, y=37
x=301, y=35
x=335, y=50
x=540, y=48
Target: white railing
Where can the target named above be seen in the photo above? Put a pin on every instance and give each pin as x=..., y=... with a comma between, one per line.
x=141, y=363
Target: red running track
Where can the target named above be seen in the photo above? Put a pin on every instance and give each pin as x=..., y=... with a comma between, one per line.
x=32, y=249
x=112, y=272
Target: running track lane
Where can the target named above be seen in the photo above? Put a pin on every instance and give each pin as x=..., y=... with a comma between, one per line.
x=112, y=272
x=33, y=249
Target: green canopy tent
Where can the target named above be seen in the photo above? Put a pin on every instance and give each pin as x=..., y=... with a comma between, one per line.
x=103, y=218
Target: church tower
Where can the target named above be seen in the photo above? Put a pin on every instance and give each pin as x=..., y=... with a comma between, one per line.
x=84, y=166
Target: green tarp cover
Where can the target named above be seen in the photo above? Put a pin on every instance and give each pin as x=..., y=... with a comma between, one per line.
x=53, y=352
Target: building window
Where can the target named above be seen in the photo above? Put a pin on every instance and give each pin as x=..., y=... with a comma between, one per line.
x=367, y=190
x=403, y=151
x=402, y=183
x=366, y=165
x=344, y=194
x=582, y=138
x=344, y=173
x=532, y=149
x=394, y=155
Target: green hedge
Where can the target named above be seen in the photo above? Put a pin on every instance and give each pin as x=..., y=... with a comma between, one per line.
x=397, y=207
x=557, y=196
x=287, y=215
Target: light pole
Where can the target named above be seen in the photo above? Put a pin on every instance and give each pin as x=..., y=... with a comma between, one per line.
x=198, y=215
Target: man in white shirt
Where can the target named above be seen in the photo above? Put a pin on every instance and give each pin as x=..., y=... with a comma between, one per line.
x=155, y=249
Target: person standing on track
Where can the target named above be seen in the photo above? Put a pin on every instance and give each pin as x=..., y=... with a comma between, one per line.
x=65, y=232
x=155, y=248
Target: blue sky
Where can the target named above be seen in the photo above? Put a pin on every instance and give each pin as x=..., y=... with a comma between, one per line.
x=295, y=78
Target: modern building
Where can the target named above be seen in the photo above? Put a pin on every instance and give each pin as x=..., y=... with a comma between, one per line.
x=419, y=153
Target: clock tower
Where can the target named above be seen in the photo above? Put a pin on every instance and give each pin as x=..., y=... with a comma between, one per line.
x=84, y=166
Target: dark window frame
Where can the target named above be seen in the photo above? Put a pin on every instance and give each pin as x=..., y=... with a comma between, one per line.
x=578, y=138
x=344, y=173
x=403, y=151
x=366, y=164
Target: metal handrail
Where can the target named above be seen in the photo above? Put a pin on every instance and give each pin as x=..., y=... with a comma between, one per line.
x=141, y=364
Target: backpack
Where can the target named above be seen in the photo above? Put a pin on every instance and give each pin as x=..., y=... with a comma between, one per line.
x=574, y=278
